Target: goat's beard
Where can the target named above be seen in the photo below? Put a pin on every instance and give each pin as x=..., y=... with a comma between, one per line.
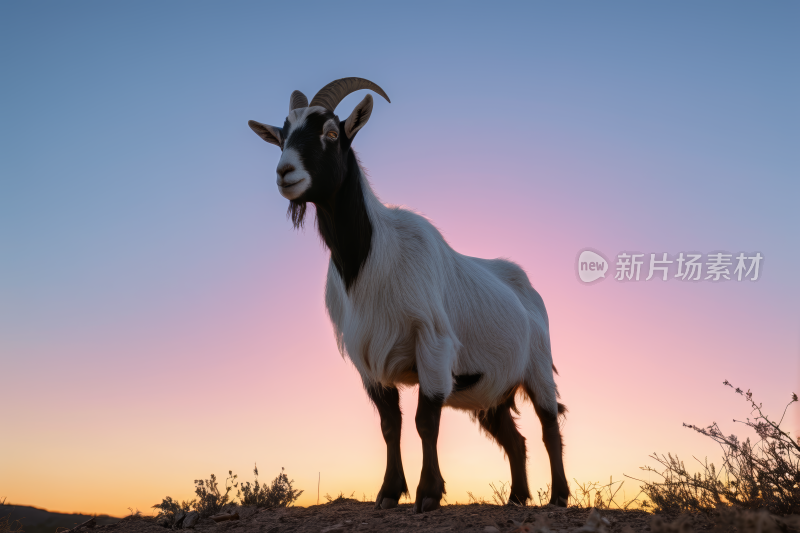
x=297, y=212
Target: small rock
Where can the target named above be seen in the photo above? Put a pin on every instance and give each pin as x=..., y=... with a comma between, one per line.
x=490, y=529
x=178, y=520
x=336, y=528
x=224, y=517
x=191, y=519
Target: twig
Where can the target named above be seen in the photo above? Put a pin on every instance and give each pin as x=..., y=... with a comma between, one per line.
x=633, y=500
x=615, y=493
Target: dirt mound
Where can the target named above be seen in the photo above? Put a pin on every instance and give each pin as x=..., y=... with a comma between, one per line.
x=351, y=515
x=344, y=516
x=35, y=520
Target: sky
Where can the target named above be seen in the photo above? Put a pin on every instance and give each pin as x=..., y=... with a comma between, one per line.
x=160, y=320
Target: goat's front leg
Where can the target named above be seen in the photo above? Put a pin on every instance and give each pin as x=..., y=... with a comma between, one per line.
x=431, y=484
x=387, y=400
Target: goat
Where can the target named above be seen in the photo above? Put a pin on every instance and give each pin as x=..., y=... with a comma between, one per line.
x=407, y=309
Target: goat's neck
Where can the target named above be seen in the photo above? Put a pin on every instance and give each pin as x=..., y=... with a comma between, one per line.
x=344, y=224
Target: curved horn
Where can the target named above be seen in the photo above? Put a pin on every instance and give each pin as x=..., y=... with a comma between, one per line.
x=333, y=93
x=297, y=100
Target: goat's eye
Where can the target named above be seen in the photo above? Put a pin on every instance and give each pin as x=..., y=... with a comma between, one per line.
x=332, y=135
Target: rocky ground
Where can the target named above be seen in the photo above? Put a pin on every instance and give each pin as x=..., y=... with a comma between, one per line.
x=351, y=515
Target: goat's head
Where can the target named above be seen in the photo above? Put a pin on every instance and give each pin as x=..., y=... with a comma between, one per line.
x=315, y=143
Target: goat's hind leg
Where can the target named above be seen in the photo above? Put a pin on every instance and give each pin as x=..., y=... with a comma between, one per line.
x=499, y=423
x=387, y=401
x=431, y=483
x=551, y=435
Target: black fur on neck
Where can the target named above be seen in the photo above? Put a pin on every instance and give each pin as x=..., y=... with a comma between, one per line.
x=343, y=223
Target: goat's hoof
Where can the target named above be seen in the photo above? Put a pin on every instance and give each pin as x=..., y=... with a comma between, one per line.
x=514, y=501
x=558, y=501
x=427, y=504
x=388, y=503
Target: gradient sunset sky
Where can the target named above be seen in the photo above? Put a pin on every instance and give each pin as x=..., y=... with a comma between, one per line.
x=160, y=320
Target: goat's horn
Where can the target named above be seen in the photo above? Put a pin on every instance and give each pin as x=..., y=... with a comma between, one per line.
x=297, y=100
x=333, y=93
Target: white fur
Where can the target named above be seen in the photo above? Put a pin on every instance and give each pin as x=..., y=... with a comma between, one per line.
x=418, y=301
x=292, y=184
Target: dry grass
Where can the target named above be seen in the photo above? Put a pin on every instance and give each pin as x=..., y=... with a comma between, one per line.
x=600, y=496
x=340, y=498
x=499, y=496
x=764, y=475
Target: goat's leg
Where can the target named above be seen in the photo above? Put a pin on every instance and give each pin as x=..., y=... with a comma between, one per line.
x=387, y=400
x=551, y=435
x=431, y=483
x=499, y=423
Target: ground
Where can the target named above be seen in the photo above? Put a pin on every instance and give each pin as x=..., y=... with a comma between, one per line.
x=351, y=515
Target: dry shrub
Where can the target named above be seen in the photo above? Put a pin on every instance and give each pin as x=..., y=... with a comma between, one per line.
x=762, y=475
x=279, y=494
x=211, y=500
x=168, y=508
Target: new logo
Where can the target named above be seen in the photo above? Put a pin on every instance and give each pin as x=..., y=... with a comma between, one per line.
x=591, y=266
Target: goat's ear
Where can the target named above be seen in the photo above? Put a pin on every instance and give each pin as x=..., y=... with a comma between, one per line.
x=271, y=134
x=358, y=117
